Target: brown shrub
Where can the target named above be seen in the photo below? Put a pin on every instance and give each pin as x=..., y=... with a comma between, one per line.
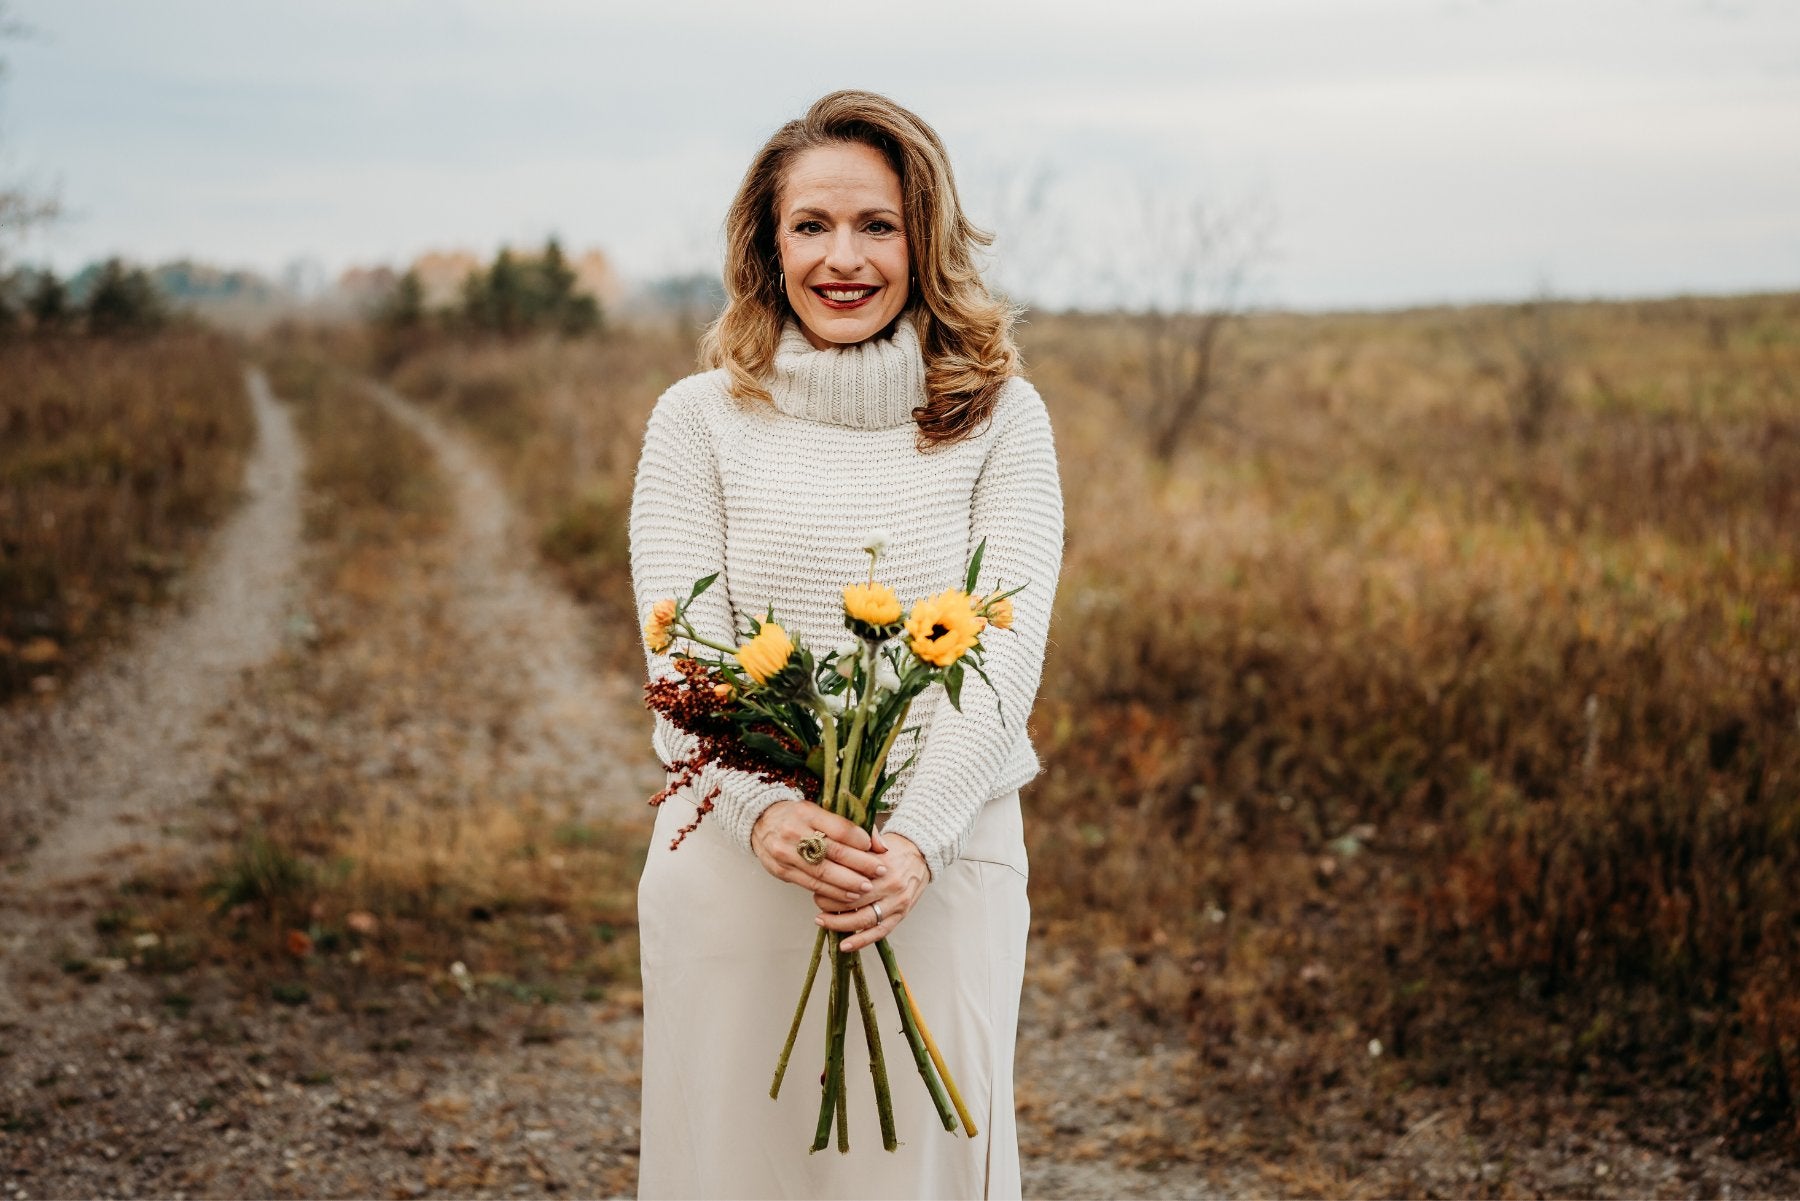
x=115, y=458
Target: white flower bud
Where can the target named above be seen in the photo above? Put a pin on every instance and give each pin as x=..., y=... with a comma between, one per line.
x=836, y=702
x=875, y=542
x=886, y=678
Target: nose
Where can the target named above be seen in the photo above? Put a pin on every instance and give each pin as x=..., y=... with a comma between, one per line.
x=844, y=253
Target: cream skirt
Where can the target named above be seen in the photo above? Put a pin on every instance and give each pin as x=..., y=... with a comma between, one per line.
x=724, y=950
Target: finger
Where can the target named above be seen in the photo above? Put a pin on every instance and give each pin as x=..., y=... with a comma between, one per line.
x=843, y=879
x=838, y=829
x=861, y=862
x=824, y=893
x=868, y=936
x=850, y=921
x=875, y=842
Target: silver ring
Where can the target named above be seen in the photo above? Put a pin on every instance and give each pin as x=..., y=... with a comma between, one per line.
x=876, y=906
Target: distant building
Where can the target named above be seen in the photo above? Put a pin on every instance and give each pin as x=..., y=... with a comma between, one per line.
x=441, y=274
x=595, y=276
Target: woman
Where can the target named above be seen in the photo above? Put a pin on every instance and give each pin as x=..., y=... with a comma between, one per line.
x=862, y=378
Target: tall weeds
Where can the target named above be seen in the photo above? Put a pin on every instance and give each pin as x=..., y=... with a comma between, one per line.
x=115, y=458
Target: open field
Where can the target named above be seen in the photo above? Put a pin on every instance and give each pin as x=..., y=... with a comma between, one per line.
x=1418, y=818
x=1397, y=707
x=116, y=456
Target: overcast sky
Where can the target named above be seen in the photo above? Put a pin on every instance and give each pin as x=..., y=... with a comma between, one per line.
x=1407, y=150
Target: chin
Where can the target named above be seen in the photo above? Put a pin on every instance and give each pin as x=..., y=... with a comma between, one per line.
x=847, y=329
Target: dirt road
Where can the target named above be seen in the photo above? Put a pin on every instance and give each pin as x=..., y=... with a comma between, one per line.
x=116, y=1082
x=107, y=776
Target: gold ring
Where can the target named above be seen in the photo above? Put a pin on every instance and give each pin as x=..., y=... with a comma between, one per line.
x=812, y=848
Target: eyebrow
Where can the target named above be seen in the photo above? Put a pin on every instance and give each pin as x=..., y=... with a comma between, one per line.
x=818, y=212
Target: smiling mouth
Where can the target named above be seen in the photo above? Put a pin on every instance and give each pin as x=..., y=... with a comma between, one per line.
x=845, y=296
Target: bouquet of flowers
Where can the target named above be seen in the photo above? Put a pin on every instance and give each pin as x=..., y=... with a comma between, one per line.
x=826, y=725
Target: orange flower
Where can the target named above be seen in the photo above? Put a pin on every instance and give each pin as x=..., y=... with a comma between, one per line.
x=767, y=653
x=872, y=604
x=657, y=626
x=943, y=627
x=999, y=610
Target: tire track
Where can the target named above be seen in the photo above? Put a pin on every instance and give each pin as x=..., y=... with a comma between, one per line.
x=101, y=775
x=580, y=731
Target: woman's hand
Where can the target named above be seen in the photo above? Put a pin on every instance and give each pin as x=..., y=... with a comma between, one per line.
x=896, y=891
x=849, y=870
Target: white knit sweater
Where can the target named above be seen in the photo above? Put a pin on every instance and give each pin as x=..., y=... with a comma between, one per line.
x=777, y=497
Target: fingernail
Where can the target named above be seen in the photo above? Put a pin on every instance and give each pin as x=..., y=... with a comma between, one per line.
x=819, y=921
x=865, y=886
x=881, y=869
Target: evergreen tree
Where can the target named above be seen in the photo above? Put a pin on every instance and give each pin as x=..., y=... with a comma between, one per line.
x=9, y=308
x=508, y=299
x=124, y=301
x=580, y=316
x=476, y=311
x=49, y=304
x=567, y=311
x=404, y=308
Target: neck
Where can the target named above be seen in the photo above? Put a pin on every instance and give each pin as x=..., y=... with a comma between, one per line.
x=875, y=384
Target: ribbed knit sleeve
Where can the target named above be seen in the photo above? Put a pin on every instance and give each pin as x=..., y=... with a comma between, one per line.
x=677, y=533
x=1017, y=507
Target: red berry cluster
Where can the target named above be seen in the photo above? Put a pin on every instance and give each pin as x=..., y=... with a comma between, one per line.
x=701, y=703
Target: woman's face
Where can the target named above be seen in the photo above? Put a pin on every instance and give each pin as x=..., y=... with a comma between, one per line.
x=842, y=241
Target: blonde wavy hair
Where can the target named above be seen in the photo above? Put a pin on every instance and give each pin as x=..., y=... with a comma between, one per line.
x=965, y=332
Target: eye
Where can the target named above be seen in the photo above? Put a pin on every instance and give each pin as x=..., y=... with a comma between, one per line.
x=808, y=226
x=882, y=228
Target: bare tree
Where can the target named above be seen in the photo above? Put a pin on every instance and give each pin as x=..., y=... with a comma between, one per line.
x=1184, y=294
x=19, y=209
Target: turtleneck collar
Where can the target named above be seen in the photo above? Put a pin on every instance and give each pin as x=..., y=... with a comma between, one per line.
x=872, y=385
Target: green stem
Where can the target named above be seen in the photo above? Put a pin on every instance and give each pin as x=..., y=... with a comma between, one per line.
x=853, y=747
x=827, y=1095
x=688, y=632
x=910, y=1026
x=937, y=1057
x=828, y=737
x=812, y=973
x=840, y=1017
x=884, y=1101
x=881, y=758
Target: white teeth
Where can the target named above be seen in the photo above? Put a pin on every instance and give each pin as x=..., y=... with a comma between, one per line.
x=847, y=294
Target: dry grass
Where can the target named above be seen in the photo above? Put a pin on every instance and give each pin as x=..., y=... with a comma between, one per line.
x=1367, y=719
x=355, y=845
x=1385, y=725
x=115, y=458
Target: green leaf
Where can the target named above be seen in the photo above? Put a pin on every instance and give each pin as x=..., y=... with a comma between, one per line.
x=975, y=567
x=999, y=705
x=701, y=586
x=771, y=750
x=953, y=685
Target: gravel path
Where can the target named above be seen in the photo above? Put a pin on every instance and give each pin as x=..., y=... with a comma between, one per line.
x=583, y=731
x=102, y=775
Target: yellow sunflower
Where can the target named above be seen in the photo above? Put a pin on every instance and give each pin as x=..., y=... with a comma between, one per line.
x=658, y=624
x=943, y=627
x=767, y=653
x=871, y=604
